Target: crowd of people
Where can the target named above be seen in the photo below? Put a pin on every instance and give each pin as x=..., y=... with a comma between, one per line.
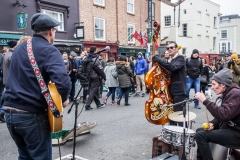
x=24, y=105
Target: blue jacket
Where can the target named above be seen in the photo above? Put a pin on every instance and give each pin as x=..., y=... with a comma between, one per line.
x=22, y=88
x=140, y=66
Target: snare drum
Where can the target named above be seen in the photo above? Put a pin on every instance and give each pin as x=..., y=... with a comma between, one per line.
x=174, y=135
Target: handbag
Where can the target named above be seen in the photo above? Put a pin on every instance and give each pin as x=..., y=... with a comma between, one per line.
x=203, y=79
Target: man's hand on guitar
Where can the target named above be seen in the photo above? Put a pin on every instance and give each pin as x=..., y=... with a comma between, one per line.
x=156, y=58
x=65, y=103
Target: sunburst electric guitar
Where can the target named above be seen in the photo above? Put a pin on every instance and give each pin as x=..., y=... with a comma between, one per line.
x=56, y=124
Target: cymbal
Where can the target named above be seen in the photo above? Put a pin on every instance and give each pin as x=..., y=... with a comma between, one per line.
x=178, y=116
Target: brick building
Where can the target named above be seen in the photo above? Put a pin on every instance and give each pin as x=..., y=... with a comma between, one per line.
x=112, y=22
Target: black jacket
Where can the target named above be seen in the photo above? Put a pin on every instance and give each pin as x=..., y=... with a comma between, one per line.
x=205, y=72
x=178, y=75
x=194, y=67
x=95, y=68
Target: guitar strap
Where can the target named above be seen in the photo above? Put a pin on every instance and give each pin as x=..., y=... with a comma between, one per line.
x=41, y=81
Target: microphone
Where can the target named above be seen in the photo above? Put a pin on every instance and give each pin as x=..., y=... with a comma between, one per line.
x=107, y=48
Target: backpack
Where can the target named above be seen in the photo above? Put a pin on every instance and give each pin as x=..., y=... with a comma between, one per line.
x=189, y=59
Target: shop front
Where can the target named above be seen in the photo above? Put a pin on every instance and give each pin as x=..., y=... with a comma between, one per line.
x=68, y=46
x=6, y=36
x=131, y=51
x=100, y=45
x=211, y=58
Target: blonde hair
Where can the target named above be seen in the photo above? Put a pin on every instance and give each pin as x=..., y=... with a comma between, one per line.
x=22, y=39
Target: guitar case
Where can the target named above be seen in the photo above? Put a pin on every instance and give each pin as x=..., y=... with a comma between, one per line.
x=82, y=128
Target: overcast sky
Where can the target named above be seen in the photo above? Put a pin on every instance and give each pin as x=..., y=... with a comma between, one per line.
x=228, y=7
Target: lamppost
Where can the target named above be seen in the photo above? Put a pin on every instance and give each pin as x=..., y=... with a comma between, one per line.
x=149, y=24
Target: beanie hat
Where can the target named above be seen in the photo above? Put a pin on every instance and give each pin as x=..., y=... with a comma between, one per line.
x=195, y=51
x=12, y=44
x=224, y=76
x=140, y=53
x=122, y=58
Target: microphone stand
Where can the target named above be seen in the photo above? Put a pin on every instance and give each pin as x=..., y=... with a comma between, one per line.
x=76, y=103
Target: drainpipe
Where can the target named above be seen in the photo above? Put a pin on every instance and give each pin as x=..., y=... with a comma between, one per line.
x=179, y=15
x=117, y=20
x=174, y=14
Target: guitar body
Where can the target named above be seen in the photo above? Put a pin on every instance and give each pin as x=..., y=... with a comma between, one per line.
x=158, y=81
x=56, y=124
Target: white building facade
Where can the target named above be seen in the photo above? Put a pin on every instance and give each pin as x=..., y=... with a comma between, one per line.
x=193, y=25
x=229, y=34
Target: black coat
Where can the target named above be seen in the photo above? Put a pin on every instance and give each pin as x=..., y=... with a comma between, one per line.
x=178, y=75
x=205, y=72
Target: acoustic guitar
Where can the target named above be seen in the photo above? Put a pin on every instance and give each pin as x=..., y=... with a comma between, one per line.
x=56, y=124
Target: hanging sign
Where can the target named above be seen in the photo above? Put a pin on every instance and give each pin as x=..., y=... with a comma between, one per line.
x=22, y=20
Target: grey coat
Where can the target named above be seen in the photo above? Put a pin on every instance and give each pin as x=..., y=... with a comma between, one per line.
x=111, y=75
x=124, y=74
x=6, y=64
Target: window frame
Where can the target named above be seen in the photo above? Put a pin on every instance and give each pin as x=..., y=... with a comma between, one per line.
x=101, y=4
x=222, y=46
x=214, y=22
x=132, y=4
x=58, y=13
x=104, y=29
x=132, y=40
x=222, y=34
x=183, y=29
x=169, y=19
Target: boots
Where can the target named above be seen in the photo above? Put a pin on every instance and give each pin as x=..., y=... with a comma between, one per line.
x=118, y=101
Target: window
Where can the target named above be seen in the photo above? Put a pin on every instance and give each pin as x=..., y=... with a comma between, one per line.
x=167, y=20
x=224, y=47
x=184, y=11
x=223, y=33
x=131, y=29
x=184, y=51
x=207, y=20
x=153, y=11
x=184, y=29
x=130, y=6
x=57, y=16
x=100, y=2
x=229, y=47
x=214, y=22
x=99, y=28
x=214, y=42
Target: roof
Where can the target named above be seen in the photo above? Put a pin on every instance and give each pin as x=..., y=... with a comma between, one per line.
x=233, y=16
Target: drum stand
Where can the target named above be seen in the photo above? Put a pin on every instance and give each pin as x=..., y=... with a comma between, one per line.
x=184, y=122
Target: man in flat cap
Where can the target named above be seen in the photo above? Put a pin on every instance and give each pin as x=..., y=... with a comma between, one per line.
x=72, y=60
x=224, y=129
x=24, y=103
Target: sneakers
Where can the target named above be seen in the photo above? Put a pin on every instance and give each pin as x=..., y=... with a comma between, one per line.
x=197, y=106
x=118, y=102
x=136, y=95
x=105, y=100
x=100, y=106
x=143, y=95
x=89, y=108
x=113, y=102
x=127, y=104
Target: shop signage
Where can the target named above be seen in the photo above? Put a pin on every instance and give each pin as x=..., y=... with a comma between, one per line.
x=3, y=41
x=80, y=32
x=22, y=20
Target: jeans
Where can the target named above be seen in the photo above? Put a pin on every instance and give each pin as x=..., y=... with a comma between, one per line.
x=196, y=84
x=118, y=89
x=224, y=137
x=133, y=86
x=31, y=134
x=111, y=92
x=124, y=91
x=72, y=93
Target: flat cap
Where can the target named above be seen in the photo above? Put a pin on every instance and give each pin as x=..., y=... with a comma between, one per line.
x=43, y=22
x=72, y=53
